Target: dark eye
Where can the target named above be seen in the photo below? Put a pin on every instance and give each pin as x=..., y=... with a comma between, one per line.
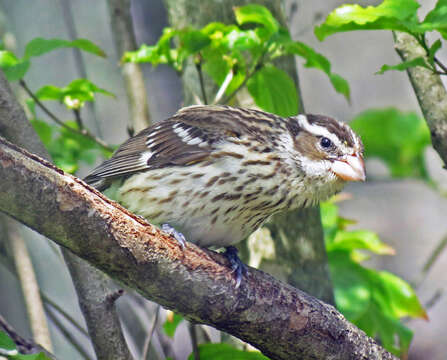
x=325, y=143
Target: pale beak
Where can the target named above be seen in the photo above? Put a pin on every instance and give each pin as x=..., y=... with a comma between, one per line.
x=351, y=168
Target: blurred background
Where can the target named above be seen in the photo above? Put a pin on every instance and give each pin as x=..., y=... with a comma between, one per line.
x=407, y=214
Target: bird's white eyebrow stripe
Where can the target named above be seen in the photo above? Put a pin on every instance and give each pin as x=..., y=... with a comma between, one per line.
x=317, y=129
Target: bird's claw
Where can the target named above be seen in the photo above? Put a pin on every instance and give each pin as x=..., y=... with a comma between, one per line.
x=237, y=266
x=175, y=234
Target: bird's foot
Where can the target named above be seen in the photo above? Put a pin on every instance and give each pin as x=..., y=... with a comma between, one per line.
x=175, y=234
x=237, y=266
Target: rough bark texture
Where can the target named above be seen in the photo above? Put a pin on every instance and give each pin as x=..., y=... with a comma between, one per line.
x=300, y=253
x=280, y=320
x=429, y=90
x=122, y=30
x=15, y=127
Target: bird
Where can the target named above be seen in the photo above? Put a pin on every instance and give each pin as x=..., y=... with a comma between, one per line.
x=213, y=174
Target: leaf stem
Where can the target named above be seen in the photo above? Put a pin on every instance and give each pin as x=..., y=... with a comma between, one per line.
x=198, y=64
x=83, y=132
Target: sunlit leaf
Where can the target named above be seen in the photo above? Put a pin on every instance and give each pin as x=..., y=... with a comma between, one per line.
x=389, y=15
x=13, y=68
x=436, y=19
x=398, y=138
x=274, y=91
x=360, y=239
x=258, y=14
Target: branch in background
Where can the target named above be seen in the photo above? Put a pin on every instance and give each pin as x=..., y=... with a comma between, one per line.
x=198, y=65
x=14, y=125
x=68, y=335
x=53, y=117
x=23, y=345
x=429, y=90
x=123, y=33
x=280, y=320
x=30, y=287
x=150, y=334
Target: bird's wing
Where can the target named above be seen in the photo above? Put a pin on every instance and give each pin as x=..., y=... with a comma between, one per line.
x=189, y=136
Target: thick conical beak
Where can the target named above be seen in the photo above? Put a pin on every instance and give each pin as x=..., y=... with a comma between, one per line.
x=351, y=168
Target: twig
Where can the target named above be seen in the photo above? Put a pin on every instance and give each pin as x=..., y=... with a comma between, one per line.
x=23, y=345
x=78, y=119
x=224, y=86
x=67, y=334
x=78, y=59
x=30, y=287
x=198, y=65
x=53, y=117
x=150, y=334
x=195, y=346
x=434, y=255
x=50, y=303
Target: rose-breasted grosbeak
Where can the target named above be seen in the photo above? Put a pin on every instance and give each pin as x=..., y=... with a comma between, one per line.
x=216, y=173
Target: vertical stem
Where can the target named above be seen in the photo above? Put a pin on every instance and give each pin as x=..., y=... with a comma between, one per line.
x=122, y=29
x=30, y=287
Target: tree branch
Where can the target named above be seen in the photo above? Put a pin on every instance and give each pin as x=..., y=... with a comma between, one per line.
x=280, y=320
x=30, y=287
x=429, y=90
x=122, y=30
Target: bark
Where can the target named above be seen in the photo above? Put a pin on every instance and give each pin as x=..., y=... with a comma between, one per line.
x=430, y=92
x=298, y=236
x=283, y=322
x=122, y=30
x=15, y=127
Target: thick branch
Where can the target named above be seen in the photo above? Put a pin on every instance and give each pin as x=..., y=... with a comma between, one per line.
x=280, y=320
x=430, y=92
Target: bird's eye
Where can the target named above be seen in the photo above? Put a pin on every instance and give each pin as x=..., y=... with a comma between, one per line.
x=325, y=143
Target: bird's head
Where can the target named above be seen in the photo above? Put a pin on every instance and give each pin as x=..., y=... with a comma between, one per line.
x=327, y=150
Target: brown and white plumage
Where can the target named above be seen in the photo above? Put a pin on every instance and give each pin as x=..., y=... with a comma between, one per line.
x=216, y=173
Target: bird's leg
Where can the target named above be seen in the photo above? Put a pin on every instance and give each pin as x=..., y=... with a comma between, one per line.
x=238, y=267
x=175, y=234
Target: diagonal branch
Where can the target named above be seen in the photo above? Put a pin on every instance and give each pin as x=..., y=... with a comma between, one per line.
x=280, y=320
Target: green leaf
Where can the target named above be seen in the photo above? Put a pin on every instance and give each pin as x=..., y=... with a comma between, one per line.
x=224, y=352
x=318, y=61
x=44, y=130
x=171, y=325
x=74, y=95
x=432, y=51
x=389, y=15
x=256, y=14
x=274, y=91
x=6, y=342
x=193, y=40
x=360, y=239
x=40, y=46
x=13, y=67
x=419, y=61
x=437, y=19
x=398, y=138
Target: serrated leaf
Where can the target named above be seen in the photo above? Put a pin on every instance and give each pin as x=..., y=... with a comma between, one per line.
x=389, y=15
x=170, y=325
x=419, y=61
x=39, y=46
x=258, y=14
x=274, y=91
x=222, y=351
x=398, y=138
